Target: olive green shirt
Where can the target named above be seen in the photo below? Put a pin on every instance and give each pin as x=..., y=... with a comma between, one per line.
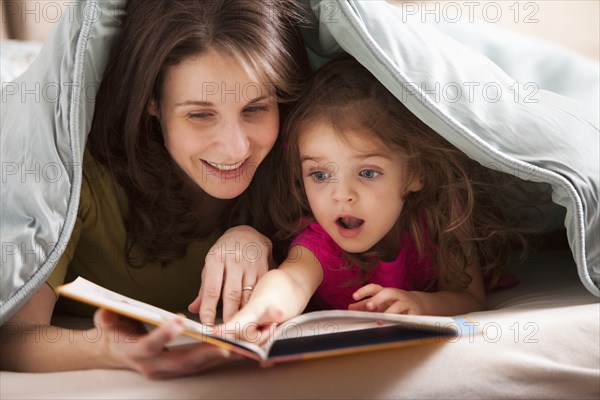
x=96, y=250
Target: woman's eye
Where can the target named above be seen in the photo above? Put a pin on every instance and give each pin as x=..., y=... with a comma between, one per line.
x=369, y=173
x=319, y=176
x=200, y=115
x=255, y=109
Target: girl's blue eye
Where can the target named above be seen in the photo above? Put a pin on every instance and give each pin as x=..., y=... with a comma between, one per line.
x=369, y=173
x=319, y=176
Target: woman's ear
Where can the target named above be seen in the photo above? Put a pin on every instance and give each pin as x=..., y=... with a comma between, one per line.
x=153, y=109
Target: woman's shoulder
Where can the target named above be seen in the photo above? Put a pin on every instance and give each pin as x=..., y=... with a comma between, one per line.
x=98, y=187
x=93, y=171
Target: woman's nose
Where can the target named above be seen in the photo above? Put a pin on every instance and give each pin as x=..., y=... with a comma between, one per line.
x=234, y=143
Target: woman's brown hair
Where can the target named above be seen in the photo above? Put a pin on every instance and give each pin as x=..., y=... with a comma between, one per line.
x=156, y=35
x=454, y=219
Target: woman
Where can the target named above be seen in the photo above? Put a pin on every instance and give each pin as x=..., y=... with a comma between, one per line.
x=174, y=173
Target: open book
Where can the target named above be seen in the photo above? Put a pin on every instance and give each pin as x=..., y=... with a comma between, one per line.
x=311, y=335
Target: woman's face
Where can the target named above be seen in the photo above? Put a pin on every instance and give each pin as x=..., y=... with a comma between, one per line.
x=218, y=124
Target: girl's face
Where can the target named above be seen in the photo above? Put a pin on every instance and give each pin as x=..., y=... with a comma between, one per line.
x=218, y=124
x=355, y=187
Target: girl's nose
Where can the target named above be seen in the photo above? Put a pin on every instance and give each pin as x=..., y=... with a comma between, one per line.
x=343, y=192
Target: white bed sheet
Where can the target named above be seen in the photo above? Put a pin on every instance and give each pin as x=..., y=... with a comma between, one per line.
x=540, y=340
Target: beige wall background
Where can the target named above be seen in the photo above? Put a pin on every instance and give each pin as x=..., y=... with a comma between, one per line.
x=571, y=23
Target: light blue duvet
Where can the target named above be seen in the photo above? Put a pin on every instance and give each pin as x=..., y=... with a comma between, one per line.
x=493, y=95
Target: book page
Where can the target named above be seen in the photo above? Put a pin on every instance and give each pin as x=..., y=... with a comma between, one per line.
x=335, y=321
x=88, y=292
x=312, y=332
x=327, y=333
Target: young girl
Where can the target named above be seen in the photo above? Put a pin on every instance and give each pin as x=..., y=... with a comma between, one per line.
x=387, y=215
x=187, y=111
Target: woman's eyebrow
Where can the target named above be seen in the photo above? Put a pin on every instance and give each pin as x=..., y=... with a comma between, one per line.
x=195, y=103
x=209, y=104
x=259, y=98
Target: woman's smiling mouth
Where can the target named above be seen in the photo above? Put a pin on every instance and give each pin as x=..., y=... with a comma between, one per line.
x=225, y=171
x=225, y=167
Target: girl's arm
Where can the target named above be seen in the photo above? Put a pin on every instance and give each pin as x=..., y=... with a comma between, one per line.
x=30, y=343
x=280, y=295
x=448, y=300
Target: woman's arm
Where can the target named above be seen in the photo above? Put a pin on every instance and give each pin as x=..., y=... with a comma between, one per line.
x=280, y=295
x=30, y=343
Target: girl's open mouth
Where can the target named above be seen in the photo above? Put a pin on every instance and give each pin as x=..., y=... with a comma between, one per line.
x=349, y=222
x=349, y=226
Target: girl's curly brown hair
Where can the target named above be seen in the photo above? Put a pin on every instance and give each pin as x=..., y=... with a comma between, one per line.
x=457, y=207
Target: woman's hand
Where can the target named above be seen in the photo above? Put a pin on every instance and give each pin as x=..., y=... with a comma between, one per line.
x=128, y=345
x=232, y=267
x=114, y=342
x=373, y=297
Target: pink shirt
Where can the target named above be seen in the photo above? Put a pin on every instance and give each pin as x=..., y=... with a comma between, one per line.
x=405, y=272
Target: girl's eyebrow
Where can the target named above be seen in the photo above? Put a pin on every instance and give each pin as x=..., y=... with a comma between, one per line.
x=369, y=155
x=310, y=158
x=387, y=156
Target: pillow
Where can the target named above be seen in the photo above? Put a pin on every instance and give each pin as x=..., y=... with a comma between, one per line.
x=537, y=135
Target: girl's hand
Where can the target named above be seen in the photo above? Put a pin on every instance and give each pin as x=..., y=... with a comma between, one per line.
x=237, y=260
x=373, y=297
x=254, y=323
x=128, y=345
